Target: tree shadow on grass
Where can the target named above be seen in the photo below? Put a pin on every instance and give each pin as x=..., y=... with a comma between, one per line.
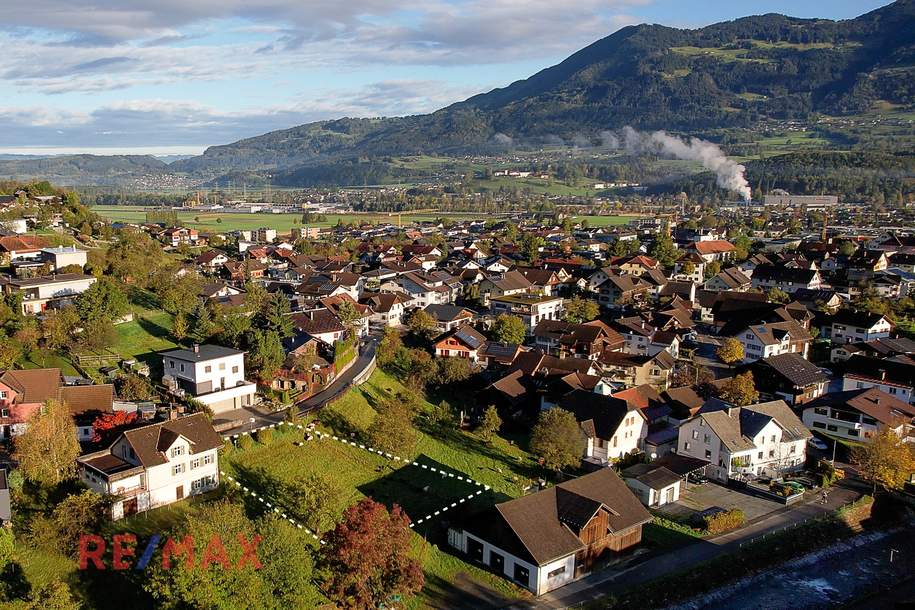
x=464, y=443
x=144, y=299
x=421, y=492
x=462, y=592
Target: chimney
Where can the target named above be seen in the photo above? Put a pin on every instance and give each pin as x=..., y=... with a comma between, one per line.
x=732, y=411
x=196, y=348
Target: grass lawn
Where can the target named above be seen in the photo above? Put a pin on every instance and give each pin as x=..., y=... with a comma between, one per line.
x=603, y=221
x=45, y=359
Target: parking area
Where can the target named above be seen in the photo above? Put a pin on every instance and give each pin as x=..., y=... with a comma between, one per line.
x=700, y=497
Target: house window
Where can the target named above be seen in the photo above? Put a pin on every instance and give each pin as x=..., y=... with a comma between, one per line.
x=176, y=451
x=771, y=453
x=707, y=439
x=207, y=369
x=3, y=394
x=177, y=469
x=686, y=446
x=4, y=412
x=222, y=366
x=614, y=440
x=182, y=367
x=195, y=463
x=208, y=459
x=556, y=572
x=760, y=455
x=234, y=369
x=773, y=438
x=708, y=454
x=695, y=434
x=522, y=574
x=819, y=424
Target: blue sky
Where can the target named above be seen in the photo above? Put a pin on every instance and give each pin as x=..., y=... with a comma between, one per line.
x=175, y=76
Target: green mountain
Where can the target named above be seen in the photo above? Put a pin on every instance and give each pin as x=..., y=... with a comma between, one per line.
x=737, y=74
x=82, y=169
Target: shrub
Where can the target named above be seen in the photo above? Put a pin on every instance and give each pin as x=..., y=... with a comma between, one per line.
x=265, y=436
x=724, y=522
x=245, y=442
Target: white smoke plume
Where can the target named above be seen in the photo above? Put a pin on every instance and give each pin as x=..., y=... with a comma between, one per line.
x=730, y=174
x=502, y=140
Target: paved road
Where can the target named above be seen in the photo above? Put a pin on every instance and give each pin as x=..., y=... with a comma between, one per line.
x=339, y=385
x=650, y=567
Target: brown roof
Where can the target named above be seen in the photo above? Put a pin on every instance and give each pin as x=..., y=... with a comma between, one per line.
x=33, y=385
x=872, y=402
x=151, y=442
x=22, y=242
x=543, y=524
x=84, y=399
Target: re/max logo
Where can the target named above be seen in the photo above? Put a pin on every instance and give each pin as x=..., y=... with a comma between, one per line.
x=124, y=549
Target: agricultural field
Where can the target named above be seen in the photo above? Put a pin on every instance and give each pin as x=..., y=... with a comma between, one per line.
x=604, y=221
x=283, y=223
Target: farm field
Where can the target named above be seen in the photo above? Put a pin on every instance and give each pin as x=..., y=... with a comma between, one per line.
x=234, y=221
x=603, y=221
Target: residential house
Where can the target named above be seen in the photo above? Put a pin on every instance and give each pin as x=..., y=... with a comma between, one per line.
x=690, y=267
x=424, y=288
x=175, y=236
x=789, y=377
x=531, y=308
x=713, y=250
x=343, y=306
x=547, y=539
x=41, y=293
x=730, y=279
x=634, y=370
x=879, y=348
x=587, y=340
x=212, y=374
x=786, y=279
x=503, y=284
x=761, y=439
x=211, y=260
x=621, y=289
x=855, y=326
x=773, y=338
x=387, y=307
x=155, y=465
x=859, y=415
x=24, y=392
x=612, y=428
x=895, y=376
x=322, y=324
x=449, y=317
x=19, y=247
x=636, y=332
x=64, y=256
x=545, y=281
x=462, y=342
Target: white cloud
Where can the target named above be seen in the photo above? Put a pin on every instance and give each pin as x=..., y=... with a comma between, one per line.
x=159, y=122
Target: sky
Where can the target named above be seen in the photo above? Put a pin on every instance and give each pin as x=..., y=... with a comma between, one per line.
x=176, y=76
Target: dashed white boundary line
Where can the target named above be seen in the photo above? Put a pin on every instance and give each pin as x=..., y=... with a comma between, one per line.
x=276, y=509
x=460, y=477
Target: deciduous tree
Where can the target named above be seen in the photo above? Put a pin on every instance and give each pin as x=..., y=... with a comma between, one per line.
x=107, y=425
x=104, y=300
x=422, y=324
x=740, y=390
x=578, y=310
x=48, y=449
x=366, y=560
x=508, y=329
x=886, y=461
x=730, y=351
x=392, y=429
x=558, y=439
x=490, y=423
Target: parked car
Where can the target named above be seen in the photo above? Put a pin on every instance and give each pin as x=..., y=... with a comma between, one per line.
x=696, y=478
x=817, y=443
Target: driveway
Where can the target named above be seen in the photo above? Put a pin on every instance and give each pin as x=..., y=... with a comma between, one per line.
x=701, y=497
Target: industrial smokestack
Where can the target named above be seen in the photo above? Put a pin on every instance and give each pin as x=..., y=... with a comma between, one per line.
x=730, y=174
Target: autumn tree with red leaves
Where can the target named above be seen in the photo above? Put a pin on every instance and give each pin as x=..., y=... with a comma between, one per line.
x=366, y=560
x=108, y=423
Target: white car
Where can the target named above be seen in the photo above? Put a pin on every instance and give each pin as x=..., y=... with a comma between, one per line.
x=817, y=444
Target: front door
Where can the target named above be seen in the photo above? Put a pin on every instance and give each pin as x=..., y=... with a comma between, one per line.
x=475, y=549
x=669, y=495
x=496, y=562
x=6, y=432
x=179, y=492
